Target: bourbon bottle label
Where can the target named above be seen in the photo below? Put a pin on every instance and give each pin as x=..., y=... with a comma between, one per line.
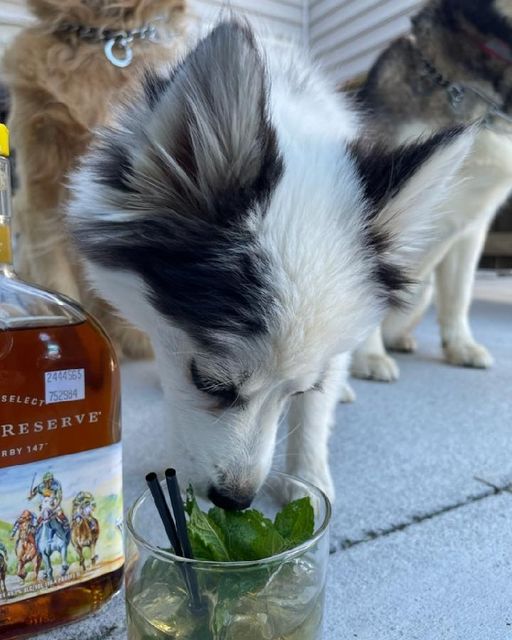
x=60, y=461
x=57, y=529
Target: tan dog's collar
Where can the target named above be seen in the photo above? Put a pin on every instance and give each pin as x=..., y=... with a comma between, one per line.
x=112, y=40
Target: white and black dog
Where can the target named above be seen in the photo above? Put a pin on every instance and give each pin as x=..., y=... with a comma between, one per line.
x=234, y=214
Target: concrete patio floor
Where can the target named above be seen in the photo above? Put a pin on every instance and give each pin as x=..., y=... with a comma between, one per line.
x=421, y=536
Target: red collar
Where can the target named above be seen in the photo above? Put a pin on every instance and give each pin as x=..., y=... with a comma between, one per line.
x=497, y=49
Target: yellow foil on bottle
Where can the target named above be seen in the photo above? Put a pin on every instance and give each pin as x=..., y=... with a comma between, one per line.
x=5, y=245
x=4, y=141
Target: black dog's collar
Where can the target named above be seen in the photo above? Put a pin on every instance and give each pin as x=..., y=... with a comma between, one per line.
x=456, y=92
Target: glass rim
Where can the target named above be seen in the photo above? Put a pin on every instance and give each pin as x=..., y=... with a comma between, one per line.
x=283, y=556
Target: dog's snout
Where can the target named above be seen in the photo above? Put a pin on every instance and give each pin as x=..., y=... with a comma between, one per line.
x=230, y=501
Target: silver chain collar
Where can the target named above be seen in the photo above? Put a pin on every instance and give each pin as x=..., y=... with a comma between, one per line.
x=117, y=44
x=456, y=93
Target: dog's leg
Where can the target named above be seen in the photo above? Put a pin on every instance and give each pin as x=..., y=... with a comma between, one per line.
x=310, y=421
x=347, y=393
x=399, y=323
x=48, y=141
x=371, y=362
x=42, y=253
x=454, y=285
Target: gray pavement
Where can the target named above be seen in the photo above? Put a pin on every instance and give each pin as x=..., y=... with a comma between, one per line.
x=422, y=529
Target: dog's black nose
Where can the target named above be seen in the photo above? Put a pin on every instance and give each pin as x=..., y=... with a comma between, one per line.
x=229, y=502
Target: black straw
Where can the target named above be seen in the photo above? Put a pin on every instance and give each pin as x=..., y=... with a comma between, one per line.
x=164, y=511
x=179, y=511
x=174, y=538
x=181, y=528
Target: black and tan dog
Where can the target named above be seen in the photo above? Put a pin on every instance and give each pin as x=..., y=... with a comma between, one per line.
x=455, y=67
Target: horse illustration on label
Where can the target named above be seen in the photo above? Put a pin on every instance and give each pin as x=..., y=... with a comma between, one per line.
x=3, y=570
x=26, y=550
x=85, y=528
x=53, y=531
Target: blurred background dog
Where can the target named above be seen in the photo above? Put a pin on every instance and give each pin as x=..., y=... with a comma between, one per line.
x=455, y=67
x=66, y=73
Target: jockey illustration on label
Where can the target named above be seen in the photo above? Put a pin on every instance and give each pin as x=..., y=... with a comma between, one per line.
x=50, y=492
x=83, y=507
x=85, y=528
x=28, y=519
x=25, y=550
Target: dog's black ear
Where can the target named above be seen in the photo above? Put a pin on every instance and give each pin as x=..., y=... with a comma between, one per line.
x=209, y=140
x=405, y=186
x=169, y=192
x=196, y=145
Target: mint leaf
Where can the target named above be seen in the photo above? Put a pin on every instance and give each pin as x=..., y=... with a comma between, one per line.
x=248, y=534
x=206, y=539
x=296, y=522
x=231, y=589
x=190, y=500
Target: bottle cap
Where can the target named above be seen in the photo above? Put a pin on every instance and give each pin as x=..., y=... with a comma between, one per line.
x=4, y=140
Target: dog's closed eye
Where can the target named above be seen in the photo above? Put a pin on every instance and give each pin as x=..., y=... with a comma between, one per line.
x=227, y=394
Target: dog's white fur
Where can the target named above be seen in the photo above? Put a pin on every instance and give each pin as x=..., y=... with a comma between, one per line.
x=328, y=301
x=450, y=260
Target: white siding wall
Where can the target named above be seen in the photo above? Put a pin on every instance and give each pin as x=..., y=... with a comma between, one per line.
x=347, y=35
x=283, y=18
x=13, y=15
x=344, y=35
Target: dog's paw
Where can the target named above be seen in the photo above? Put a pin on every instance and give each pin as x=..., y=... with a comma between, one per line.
x=467, y=354
x=372, y=366
x=403, y=344
x=347, y=394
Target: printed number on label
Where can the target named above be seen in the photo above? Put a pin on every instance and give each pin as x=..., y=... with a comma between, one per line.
x=64, y=386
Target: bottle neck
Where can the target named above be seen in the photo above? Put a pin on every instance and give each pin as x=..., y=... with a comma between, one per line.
x=6, y=267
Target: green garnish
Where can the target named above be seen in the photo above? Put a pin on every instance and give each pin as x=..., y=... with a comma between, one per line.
x=226, y=536
x=260, y=602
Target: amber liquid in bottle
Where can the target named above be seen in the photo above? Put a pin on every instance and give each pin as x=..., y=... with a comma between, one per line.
x=61, y=547
x=25, y=356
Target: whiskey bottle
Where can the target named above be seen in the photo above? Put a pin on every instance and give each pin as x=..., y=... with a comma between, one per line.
x=61, y=552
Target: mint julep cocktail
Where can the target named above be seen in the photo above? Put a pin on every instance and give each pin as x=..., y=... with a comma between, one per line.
x=259, y=573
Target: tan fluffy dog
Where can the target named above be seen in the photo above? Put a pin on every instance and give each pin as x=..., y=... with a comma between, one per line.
x=62, y=87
